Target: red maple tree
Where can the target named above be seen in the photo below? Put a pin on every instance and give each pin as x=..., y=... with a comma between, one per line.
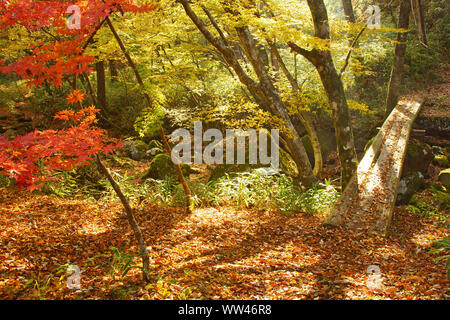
x=29, y=159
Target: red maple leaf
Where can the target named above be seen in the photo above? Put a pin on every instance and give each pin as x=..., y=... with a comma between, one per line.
x=75, y=97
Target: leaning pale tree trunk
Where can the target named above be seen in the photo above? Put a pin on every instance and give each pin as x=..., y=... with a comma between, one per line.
x=294, y=143
x=334, y=89
x=264, y=90
x=399, y=58
x=150, y=105
x=131, y=219
x=303, y=115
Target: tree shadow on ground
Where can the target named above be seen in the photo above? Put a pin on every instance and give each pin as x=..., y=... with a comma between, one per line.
x=220, y=253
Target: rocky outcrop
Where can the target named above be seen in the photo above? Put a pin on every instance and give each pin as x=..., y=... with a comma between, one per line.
x=444, y=177
x=136, y=149
x=415, y=168
x=418, y=158
x=162, y=167
x=435, y=126
x=408, y=186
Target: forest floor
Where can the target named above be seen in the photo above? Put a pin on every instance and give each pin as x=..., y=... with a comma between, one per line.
x=212, y=253
x=215, y=253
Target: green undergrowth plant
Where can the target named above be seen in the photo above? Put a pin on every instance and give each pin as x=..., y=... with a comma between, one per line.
x=122, y=262
x=85, y=182
x=256, y=189
x=434, y=201
x=252, y=190
x=443, y=246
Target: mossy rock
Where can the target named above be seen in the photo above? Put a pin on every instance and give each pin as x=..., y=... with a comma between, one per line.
x=121, y=162
x=218, y=171
x=153, y=152
x=136, y=149
x=408, y=186
x=418, y=158
x=444, y=177
x=162, y=167
x=443, y=199
x=441, y=161
x=155, y=144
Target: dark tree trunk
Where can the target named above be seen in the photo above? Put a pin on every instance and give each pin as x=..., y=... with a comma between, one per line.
x=113, y=70
x=422, y=28
x=101, y=85
x=348, y=10
x=399, y=59
x=334, y=88
x=341, y=119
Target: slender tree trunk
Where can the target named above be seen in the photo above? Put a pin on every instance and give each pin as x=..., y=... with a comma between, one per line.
x=183, y=182
x=150, y=105
x=303, y=115
x=348, y=10
x=278, y=106
x=90, y=89
x=399, y=58
x=421, y=14
x=101, y=85
x=264, y=90
x=131, y=220
x=295, y=67
x=275, y=65
x=113, y=70
x=334, y=88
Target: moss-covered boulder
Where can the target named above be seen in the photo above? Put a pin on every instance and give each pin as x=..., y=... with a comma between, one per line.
x=218, y=171
x=444, y=177
x=408, y=186
x=122, y=162
x=162, y=167
x=136, y=149
x=418, y=158
x=153, y=152
x=441, y=161
x=155, y=144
